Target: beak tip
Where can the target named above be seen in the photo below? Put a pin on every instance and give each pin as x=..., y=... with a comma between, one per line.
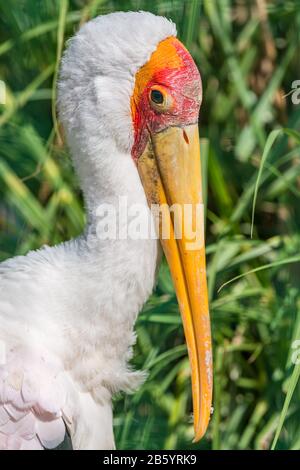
x=201, y=429
x=199, y=434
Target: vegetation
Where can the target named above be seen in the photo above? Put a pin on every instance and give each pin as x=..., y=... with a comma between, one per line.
x=248, y=55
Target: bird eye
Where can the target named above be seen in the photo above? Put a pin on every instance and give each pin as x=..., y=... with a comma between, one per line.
x=157, y=97
x=160, y=99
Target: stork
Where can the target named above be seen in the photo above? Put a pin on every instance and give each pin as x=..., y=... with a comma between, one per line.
x=129, y=96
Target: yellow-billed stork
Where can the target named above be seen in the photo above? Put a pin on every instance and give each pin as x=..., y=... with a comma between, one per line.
x=129, y=95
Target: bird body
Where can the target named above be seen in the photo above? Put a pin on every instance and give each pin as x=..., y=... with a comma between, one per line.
x=81, y=289
x=67, y=313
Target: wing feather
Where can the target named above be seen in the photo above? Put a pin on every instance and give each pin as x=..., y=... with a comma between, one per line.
x=32, y=398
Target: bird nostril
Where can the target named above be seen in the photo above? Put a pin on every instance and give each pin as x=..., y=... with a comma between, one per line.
x=185, y=137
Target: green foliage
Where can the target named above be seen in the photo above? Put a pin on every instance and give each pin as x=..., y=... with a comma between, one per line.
x=248, y=55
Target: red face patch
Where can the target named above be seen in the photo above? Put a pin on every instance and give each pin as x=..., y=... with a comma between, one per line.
x=167, y=92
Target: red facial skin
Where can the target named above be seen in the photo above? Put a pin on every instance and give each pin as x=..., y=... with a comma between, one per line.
x=184, y=86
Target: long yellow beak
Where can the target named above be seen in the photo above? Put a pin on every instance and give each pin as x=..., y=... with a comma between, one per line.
x=170, y=172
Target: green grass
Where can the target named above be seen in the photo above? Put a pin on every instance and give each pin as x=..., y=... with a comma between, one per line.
x=251, y=171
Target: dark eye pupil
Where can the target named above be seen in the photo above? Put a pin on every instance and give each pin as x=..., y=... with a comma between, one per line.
x=157, y=97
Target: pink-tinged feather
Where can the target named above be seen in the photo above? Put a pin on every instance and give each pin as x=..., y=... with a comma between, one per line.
x=4, y=416
x=14, y=442
x=33, y=444
x=50, y=433
x=15, y=413
x=31, y=402
x=23, y=427
x=3, y=441
x=9, y=394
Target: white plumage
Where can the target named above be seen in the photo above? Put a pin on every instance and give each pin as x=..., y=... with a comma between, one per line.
x=67, y=313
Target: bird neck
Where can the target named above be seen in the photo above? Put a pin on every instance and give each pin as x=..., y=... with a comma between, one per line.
x=106, y=173
x=116, y=276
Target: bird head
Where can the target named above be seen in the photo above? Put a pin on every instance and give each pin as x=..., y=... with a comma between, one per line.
x=127, y=76
x=167, y=93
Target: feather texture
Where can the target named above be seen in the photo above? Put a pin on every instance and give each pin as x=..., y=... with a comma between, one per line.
x=30, y=416
x=67, y=313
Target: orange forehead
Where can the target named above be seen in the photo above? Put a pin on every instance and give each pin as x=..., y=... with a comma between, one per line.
x=165, y=56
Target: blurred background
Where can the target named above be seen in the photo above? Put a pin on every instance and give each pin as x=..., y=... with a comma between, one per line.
x=248, y=55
